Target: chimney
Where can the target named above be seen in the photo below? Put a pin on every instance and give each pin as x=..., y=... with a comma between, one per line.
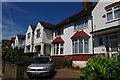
x=86, y=4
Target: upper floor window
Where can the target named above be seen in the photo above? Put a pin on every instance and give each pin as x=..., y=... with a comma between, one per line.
x=113, y=13
x=28, y=35
x=38, y=33
x=59, y=32
x=81, y=24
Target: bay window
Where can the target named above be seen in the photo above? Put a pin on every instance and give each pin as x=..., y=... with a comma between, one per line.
x=81, y=45
x=58, y=48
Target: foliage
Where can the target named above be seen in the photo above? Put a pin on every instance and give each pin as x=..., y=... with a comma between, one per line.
x=17, y=55
x=101, y=68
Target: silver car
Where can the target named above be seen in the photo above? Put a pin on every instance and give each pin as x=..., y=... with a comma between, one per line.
x=41, y=66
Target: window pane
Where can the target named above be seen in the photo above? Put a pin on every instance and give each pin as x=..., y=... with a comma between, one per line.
x=80, y=46
x=109, y=16
x=86, y=23
x=28, y=35
x=38, y=34
x=114, y=46
x=117, y=14
x=61, y=50
x=86, y=46
x=75, y=27
x=73, y=47
x=57, y=49
x=76, y=46
x=100, y=41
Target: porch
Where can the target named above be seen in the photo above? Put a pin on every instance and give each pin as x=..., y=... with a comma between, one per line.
x=107, y=40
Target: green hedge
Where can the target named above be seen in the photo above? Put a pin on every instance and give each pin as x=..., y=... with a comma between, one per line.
x=17, y=56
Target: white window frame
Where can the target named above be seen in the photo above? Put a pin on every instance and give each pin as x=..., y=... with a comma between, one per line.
x=59, y=51
x=83, y=41
x=113, y=12
x=79, y=23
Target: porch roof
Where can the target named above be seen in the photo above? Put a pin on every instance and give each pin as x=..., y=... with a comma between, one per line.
x=57, y=39
x=80, y=34
x=105, y=31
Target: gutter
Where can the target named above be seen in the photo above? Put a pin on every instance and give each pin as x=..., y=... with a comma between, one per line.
x=92, y=35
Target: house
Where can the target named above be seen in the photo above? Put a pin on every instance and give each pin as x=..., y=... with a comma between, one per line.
x=42, y=38
x=106, y=26
x=19, y=41
x=72, y=38
x=13, y=42
x=6, y=43
x=29, y=38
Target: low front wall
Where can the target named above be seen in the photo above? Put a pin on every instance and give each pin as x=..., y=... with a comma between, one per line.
x=78, y=59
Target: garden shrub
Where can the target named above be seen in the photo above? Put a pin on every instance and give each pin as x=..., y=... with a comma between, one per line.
x=101, y=68
x=17, y=55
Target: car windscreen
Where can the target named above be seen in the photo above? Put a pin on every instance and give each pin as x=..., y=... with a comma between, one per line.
x=41, y=60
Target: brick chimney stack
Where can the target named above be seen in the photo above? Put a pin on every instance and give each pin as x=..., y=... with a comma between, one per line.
x=86, y=4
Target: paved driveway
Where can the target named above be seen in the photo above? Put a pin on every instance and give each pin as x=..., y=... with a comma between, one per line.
x=63, y=74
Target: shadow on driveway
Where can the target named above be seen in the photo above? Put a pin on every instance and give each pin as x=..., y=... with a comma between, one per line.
x=48, y=77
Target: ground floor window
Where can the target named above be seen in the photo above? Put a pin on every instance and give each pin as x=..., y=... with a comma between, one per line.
x=58, y=48
x=81, y=45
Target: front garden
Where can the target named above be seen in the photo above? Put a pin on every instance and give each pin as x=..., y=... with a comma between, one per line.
x=17, y=56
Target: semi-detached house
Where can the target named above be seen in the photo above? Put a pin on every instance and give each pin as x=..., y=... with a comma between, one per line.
x=106, y=26
x=94, y=30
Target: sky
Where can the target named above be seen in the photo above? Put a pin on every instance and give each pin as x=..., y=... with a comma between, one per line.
x=16, y=16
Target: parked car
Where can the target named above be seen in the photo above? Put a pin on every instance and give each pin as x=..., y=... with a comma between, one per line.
x=41, y=66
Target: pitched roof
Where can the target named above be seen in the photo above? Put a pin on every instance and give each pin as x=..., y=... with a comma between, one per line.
x=33, y=27
x=80, y=15
x=57, y=40
x=80, y=34
x=21, y=37
x=47, y=25
x=13, y=39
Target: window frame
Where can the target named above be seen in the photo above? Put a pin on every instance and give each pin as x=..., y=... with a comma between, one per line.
x=78, y=46
x=81, y=24
x=38, y=34
x=28, y=35
x=113, y=9
x=59, y=48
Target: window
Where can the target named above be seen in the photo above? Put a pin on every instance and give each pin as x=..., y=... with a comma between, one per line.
x=109, y=16
x=58, y=48
x=114, y=45
x=100, y=41
x=113, y=13
x=38, y=34
x=59, y=32
x=28, y=35
x=81, y=24
x=81, y=45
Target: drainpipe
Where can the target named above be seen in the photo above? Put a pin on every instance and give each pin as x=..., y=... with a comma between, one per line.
x=92, y=35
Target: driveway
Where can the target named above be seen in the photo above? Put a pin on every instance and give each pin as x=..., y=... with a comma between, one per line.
x=63, y=74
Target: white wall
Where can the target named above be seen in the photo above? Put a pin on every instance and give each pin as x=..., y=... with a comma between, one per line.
x=37, y=41
x=98, y=21
x=68, y=32
x=47, y=35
